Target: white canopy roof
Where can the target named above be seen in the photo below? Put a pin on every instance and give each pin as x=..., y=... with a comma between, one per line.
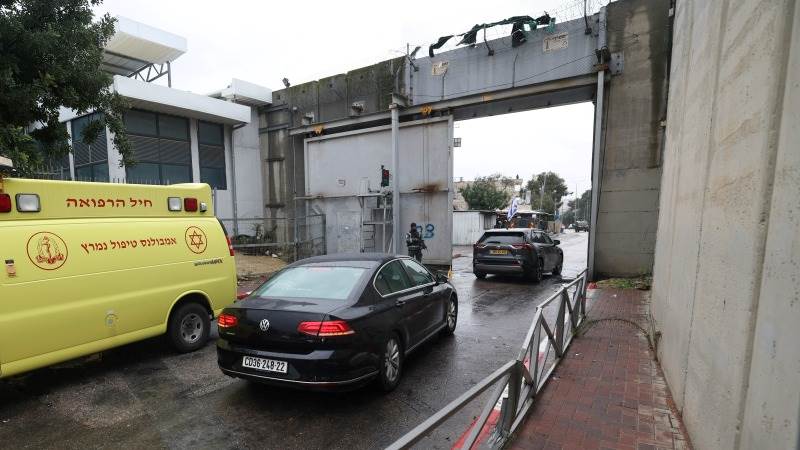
x=135, y=45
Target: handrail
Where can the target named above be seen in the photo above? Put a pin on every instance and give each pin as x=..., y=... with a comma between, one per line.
x=519, y=383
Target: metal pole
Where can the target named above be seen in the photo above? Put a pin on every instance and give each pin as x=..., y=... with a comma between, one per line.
x=597, y=151
x=169, y=74
x=396, y=228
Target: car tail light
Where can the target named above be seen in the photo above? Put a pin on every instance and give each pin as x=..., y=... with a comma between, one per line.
x=190, y=204
x=327, y=328
x=230, y=245
x=478, y=246
x=227, y=321
x=5, y=203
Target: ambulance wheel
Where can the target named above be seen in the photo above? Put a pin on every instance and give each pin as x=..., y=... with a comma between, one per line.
x=188, y=327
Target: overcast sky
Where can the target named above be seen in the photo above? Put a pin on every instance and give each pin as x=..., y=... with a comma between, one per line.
x=263, y=42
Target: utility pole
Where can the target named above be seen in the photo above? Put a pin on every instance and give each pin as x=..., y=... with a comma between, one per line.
x=541, y=198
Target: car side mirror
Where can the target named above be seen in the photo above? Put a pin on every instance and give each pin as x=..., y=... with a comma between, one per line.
x=556, y=242
x=441, y=278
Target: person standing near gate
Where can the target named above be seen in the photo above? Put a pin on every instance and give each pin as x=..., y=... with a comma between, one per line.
x=415, y=243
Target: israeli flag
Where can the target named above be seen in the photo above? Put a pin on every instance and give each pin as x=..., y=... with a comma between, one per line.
x=513, y=208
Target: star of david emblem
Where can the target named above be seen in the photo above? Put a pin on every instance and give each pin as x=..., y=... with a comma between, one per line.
x=196, y=240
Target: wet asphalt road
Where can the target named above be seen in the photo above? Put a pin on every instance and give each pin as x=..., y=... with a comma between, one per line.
x=144, y=396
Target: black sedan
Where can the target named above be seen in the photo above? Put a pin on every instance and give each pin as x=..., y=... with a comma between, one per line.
x=336, y=321
x=520, y=251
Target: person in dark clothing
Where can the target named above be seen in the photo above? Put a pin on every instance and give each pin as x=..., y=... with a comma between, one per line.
x=415, y=243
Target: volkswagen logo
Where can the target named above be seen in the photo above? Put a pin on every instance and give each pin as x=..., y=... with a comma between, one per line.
x=264, y=325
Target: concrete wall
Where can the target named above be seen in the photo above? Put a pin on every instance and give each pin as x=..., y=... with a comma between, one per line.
x=635, y=106
x=726, y=295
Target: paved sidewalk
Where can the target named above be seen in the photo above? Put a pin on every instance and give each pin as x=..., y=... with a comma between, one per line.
x=608, y=393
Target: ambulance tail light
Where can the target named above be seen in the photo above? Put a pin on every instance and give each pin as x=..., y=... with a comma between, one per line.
x=28, y=203
x=230, y=245
x=190, y=204
x=5, y=203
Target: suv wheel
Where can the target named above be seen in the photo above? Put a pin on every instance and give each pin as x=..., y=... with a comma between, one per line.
x=188, y=327
x=557, y=269
x=537, y=273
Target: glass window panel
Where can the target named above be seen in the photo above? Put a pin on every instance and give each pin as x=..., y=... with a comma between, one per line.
x=418, y=274
x=174, y=173
x=143, y=173
x=214, y=177
x=173, y=127
x=100, y=172
x=393, y=277
x=83, y=173
x=209, y=133
x=326, y=283
x=140, y=122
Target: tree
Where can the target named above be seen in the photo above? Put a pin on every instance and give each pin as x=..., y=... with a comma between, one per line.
x=484, y=194
x=554, y=190
x=579, y=209
x=50, y=55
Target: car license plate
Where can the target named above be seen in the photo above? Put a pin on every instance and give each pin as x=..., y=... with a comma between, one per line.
x=498, y=252
x=266, y=365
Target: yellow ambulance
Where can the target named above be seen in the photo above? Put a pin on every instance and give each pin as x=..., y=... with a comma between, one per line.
x=91, y=266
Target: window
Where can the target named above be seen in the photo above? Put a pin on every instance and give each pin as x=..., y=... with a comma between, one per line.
x=419, y=275
x=392, y=278
x=91, y=160
x=546, y=239
x=211, y=139
x=537, y=238
x=502, y=238
x=161, y=148
x=318, y=282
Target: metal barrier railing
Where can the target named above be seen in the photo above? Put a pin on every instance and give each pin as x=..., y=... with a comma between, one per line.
x=519, y=380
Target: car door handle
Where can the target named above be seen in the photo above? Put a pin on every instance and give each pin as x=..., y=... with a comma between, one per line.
x=400, y=303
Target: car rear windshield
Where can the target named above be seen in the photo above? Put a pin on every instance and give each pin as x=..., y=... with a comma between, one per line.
x=327, y=283
x=502, y=238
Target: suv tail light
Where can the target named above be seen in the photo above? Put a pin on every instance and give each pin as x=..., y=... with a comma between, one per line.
x=227, y=321
x=230, y=245
x=477, y=246
x=327, y=328
x=5, y=203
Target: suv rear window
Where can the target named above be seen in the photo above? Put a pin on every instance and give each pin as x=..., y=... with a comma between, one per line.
x=503, y=238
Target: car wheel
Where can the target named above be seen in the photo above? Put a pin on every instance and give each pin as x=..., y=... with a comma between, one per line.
x=451, y=316
x=391, y=364
x=188, y=328
x=537, y=273
x=557, y=269
x=479, y=275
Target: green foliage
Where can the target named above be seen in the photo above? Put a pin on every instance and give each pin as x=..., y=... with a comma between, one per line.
x=484, y=194
x=580, y=209
x=50, y=55
x=555, y=190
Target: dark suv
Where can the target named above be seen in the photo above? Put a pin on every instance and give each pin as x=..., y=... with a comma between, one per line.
x=521, y=251
x=581, y=225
